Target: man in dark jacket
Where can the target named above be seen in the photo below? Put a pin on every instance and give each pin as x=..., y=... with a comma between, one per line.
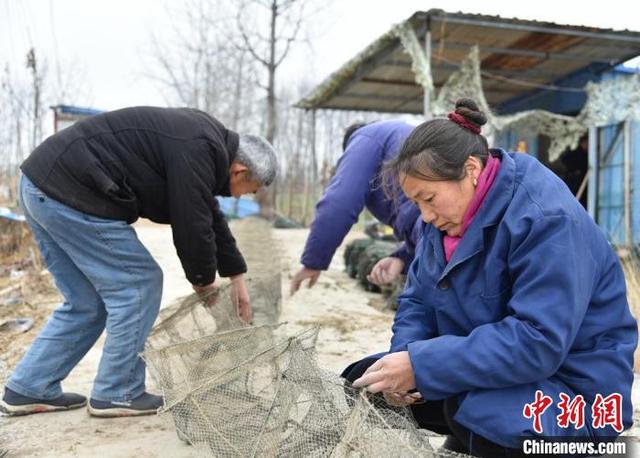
x=81, y=190
x=354, y=187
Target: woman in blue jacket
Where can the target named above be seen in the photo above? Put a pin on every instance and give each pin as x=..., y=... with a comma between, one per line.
x=515, y=312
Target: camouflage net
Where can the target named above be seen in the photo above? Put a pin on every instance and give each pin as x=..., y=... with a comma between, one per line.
x=608, y=102
x=361, y=255
x=420, y=65
x=369, y=258
x=612, y=101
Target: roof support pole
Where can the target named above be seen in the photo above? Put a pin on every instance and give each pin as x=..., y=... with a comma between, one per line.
x=628, y=236
x=314, y=163
x=427, y=90
x=594, y=173
x=310, y=182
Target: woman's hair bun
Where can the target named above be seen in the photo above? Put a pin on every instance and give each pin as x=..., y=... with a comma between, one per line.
x=469, y=109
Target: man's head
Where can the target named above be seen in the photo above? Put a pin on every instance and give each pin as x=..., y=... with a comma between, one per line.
x=349, y=131
x=254, y=166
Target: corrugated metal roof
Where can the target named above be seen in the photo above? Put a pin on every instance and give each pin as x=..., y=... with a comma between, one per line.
x=516, y=57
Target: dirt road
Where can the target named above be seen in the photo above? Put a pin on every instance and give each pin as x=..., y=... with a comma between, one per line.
x=350, y=329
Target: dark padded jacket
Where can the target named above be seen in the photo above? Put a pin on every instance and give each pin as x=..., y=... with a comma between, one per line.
x=164, y=164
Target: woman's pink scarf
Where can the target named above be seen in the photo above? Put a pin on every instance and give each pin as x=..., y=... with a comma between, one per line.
x=485, y=180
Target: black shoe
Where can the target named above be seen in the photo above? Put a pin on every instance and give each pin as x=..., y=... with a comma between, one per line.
x=452, y=444
x=145, y=404
x=15, y=404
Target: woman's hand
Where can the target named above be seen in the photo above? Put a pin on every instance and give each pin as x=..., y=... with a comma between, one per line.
x=386, y=271
x=391, y=373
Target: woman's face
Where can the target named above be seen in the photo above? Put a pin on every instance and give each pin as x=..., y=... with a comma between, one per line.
x=443, y=203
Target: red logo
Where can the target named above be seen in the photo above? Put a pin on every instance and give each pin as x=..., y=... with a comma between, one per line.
x=571, y=411
x=607, y=411
x=536, y=409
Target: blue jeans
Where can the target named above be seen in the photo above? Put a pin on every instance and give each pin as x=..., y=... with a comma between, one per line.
x=108, y=280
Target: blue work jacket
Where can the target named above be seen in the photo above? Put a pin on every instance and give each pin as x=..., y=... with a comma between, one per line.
x=355, y=186
x=533, y=299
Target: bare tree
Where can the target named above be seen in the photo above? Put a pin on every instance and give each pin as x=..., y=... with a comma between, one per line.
x=36, y=113
x=224, y=58
x=24, y=94
x=268, y=29
x=201, y=65
x=270, y=43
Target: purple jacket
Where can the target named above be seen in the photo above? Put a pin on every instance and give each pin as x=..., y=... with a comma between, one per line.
x=353, y=187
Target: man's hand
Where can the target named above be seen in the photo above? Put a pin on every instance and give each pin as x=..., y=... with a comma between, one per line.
x=386, y=270
x=240, y=297
x=208, y=293
x=391, y=373
x=301, y=276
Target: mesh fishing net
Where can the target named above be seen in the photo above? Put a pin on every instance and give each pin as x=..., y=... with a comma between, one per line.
x=4, y=372
x=235, y=390
x=197, y=316
x=239, y=390
x=255, y=392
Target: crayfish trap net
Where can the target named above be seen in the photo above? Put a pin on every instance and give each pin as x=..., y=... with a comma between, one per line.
x=255, y=392
x=197, y=316
x=235, y=390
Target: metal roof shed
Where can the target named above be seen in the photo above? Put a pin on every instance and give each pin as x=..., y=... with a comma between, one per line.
x=66, y=115
x=517, y=58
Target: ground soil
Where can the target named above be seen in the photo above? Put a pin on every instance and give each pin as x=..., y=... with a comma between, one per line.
x=351, y=326
x=349, y=329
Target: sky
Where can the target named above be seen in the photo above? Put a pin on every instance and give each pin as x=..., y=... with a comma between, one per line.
x=110, y=42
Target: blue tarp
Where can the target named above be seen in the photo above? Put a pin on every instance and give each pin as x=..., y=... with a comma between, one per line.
x=9, y=214
x=77, y=111
x=239, y=207
x=244, y=207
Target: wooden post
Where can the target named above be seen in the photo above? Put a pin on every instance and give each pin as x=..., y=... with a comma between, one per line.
x=427, y=51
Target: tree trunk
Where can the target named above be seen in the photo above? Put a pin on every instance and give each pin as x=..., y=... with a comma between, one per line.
x=294, y=169
x=271, y=87
x=265, y=198
x=235, y=118
x=309, y=182
x=33, y=66
x=305, y=201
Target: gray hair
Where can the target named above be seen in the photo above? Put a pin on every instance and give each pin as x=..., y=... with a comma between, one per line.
x=259, y=157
